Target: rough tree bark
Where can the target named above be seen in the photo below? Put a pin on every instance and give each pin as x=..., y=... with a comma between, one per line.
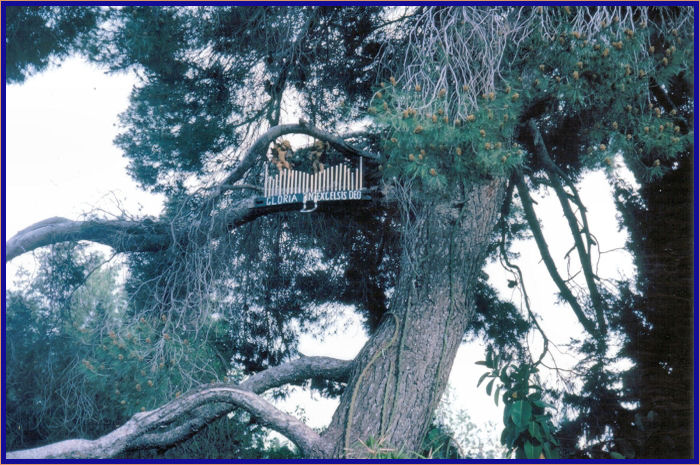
x=394, y=383
x=400, y=374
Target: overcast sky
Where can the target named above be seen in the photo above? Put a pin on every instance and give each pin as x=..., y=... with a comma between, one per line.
x=61, y=162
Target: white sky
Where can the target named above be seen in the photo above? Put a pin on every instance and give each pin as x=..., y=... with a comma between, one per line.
x=61, y=162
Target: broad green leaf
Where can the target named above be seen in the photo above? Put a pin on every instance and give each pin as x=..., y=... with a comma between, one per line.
x=532, y=450
x=547, y=450
x=520, y=413
x=490, y=386
x=535, y=430
x=617, y=456
x=483, y=377
x=506, y=413
x=495, y=395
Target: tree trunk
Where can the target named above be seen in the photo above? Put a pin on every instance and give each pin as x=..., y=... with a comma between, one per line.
x=402, y=371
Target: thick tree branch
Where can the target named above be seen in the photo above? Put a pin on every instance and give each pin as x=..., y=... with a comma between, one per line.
x=152, y=236
x=181, y=418
x=122, y=235
x=584, y=256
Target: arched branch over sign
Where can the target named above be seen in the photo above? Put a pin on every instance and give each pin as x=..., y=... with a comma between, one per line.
x=338, y=183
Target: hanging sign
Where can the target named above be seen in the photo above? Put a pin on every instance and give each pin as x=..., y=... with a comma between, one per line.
x=336, y=183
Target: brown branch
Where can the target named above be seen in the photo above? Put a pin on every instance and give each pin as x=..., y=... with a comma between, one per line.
x=179, y=419
x=584, y=256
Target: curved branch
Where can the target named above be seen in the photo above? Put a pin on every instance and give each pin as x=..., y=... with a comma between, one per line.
x=153, y=236
x=179, y=419
x=258, y=149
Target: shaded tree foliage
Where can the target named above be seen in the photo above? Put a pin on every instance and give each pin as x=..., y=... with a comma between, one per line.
x=37, y=35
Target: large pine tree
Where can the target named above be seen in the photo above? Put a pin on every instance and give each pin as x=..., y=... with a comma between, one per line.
x=454, y=111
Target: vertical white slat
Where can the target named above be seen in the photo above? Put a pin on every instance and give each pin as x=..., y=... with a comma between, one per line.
x=361, y=173
x=296, y=182
x=345, y=177
x=265, y=182
x=336, y=173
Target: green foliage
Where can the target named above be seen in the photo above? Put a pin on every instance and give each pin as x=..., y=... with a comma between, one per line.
x=600, y=83
x=46, y=338
x=436, y=148
x=211, y=75
x=78, y=366
x=604, y=78
x=457, y=434
x=528, y=431
x=36, y=35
